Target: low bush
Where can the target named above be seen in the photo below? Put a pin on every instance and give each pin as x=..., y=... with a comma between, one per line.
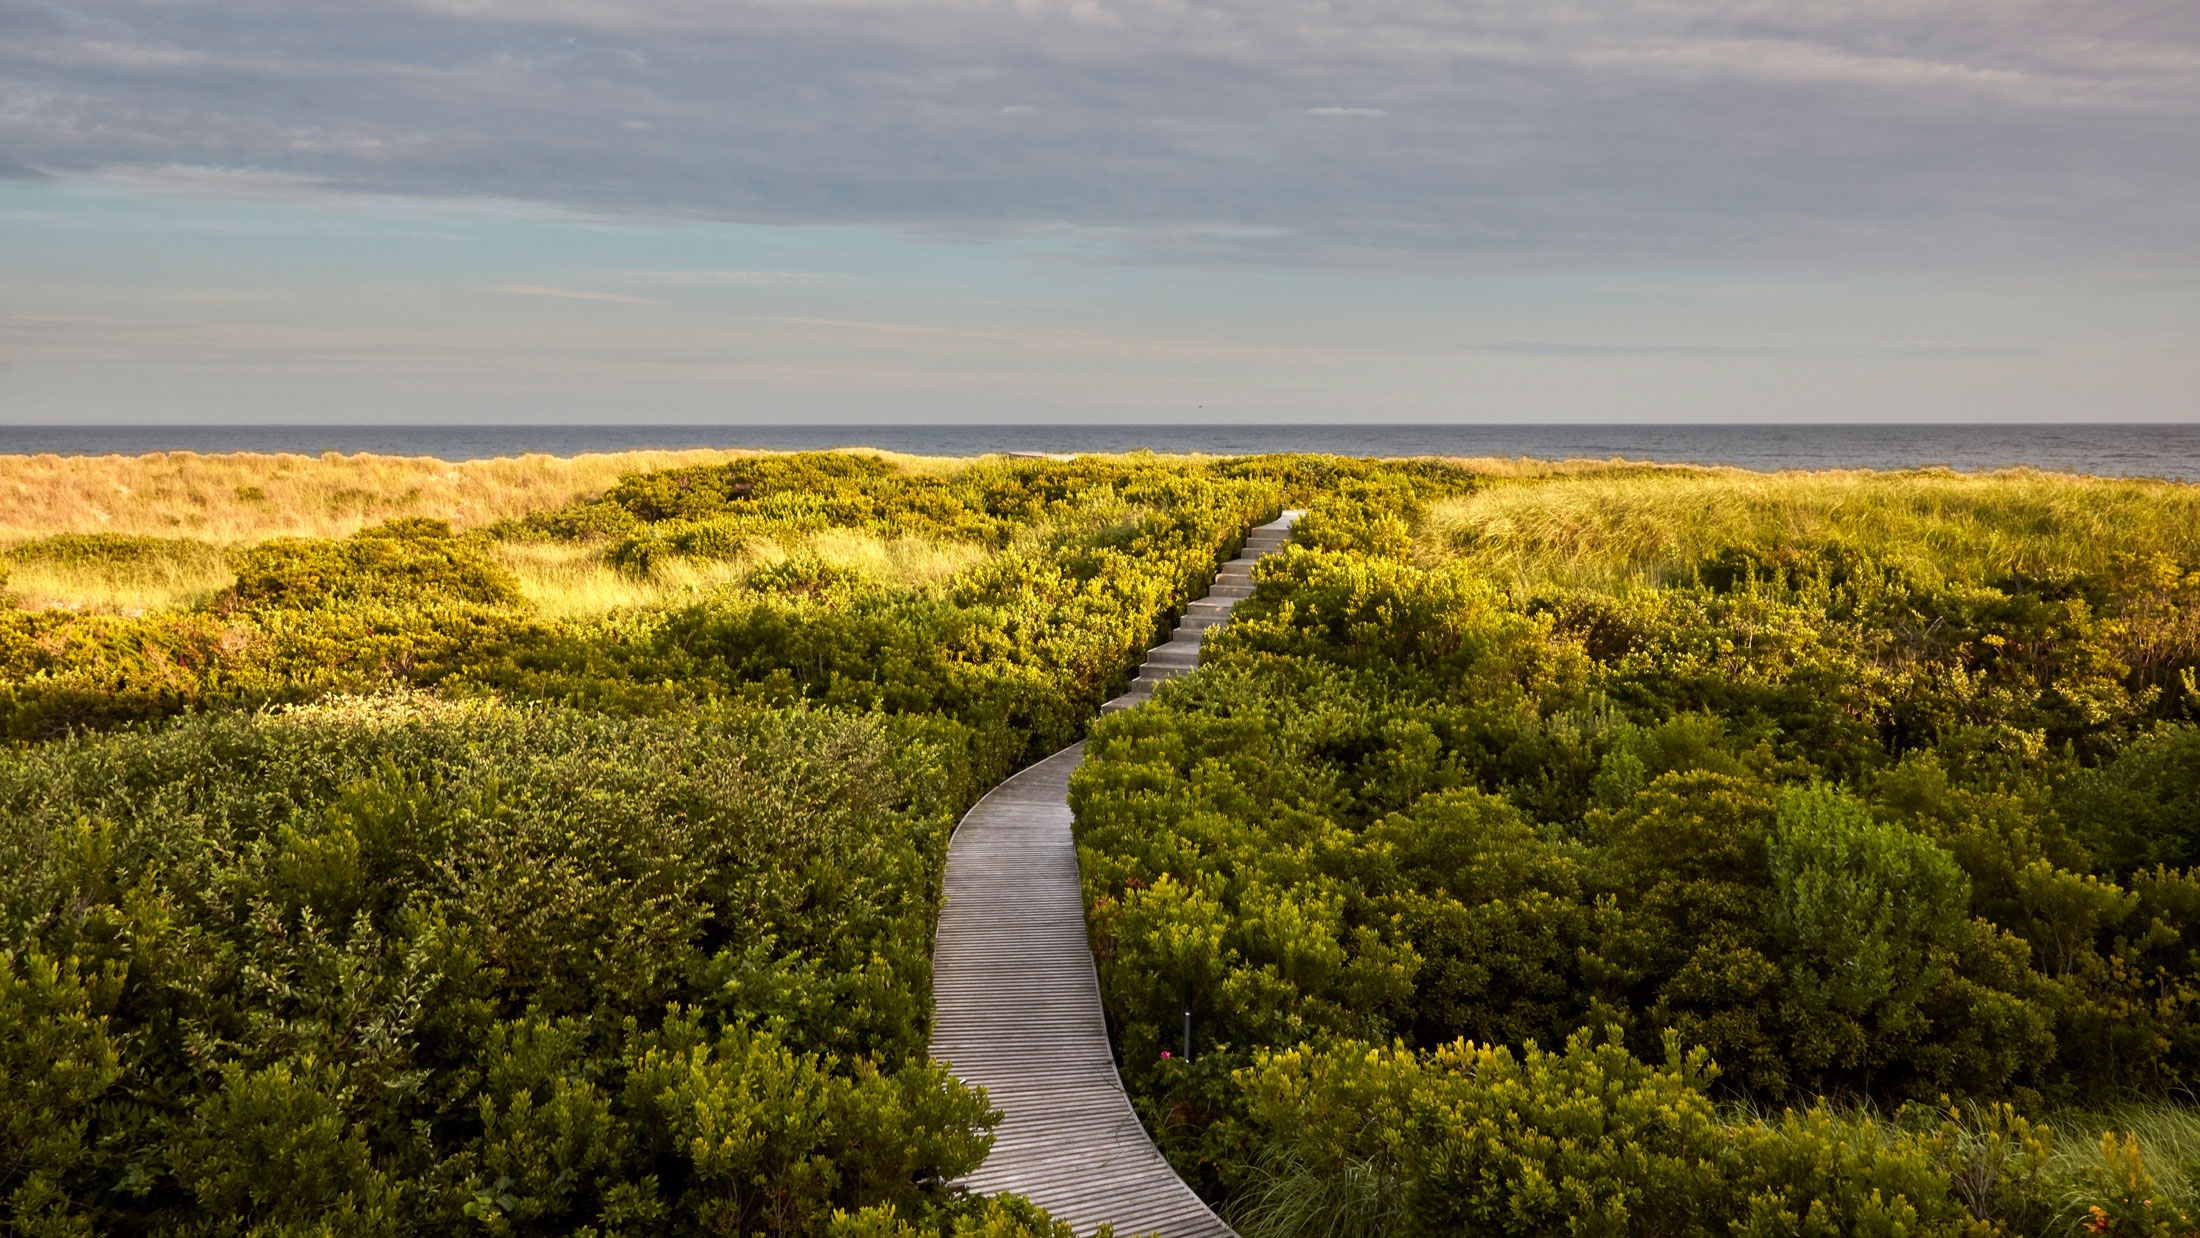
x=393, y=965
x=407, y=562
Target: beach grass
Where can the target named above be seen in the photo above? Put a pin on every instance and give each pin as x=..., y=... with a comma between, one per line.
x=153, y=532
x=250, y=496
x=572, y=580
x=1620, y=525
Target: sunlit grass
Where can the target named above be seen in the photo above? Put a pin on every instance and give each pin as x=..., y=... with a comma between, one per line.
x=2168, y=1135
x=571, y=580
x=244, y=497
x=1615, y=526
x=119, y=590
x=110, y=574
x=203, y=506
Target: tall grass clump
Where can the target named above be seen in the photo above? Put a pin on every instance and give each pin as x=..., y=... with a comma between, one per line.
x=1625, y=526
x=564, y=580
x=114, y=572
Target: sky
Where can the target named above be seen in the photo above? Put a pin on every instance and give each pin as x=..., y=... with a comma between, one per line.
x=809, y=211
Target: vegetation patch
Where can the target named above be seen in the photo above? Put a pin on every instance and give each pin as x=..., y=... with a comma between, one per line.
x=366, y=898
x=1673, y=852
x=1539, y=850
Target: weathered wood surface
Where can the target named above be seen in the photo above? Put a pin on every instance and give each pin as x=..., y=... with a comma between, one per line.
x=1017, y=1000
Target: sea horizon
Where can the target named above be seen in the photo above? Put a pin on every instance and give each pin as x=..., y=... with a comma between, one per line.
x=2170, y=451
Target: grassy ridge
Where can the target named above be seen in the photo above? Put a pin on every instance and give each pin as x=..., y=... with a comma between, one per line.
x=192, y=501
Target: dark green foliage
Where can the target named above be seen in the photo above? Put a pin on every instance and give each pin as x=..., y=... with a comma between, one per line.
x=1860, y=908
x=1472, y=1139
x=395, y=966
x=2142, y=809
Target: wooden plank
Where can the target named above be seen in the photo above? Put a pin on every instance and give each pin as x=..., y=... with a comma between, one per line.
x=1016, y=998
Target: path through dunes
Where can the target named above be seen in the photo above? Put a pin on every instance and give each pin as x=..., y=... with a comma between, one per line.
x=1016, y=997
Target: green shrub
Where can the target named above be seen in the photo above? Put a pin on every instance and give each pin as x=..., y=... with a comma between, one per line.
x=397, y=965
x=1469, y=1139
x=112, y=549
x=2142, y=808
x=410, y=561
x=1863, y=909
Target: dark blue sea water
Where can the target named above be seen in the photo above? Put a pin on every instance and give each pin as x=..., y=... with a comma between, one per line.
x=2171, y=451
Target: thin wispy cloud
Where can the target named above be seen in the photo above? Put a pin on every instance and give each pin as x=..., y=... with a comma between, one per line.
x=750, y=279
x=1345, y=111
x=575, y=294
x=1898, y=352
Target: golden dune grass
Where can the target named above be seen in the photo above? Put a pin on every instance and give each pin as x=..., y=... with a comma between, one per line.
x=239, y=498
x=566, y=580
x=168, y=583
x=248, y=497
x=1616, y=525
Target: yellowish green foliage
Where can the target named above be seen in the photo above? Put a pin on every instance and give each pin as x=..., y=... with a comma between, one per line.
x=1628, y=525
x=572, y=580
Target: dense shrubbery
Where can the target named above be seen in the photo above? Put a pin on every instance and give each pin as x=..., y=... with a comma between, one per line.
x=1519, y=877
x=649, y=955
x=1861, y=826
x=1091, y=560
x=392, y=965
x=1020, y=649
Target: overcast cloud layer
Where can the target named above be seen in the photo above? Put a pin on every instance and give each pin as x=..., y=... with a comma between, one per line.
x=1864, y=133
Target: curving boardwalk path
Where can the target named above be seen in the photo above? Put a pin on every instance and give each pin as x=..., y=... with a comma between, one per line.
x=1016, y=999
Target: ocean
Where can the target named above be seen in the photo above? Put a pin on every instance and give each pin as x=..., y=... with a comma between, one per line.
x=2166, y=451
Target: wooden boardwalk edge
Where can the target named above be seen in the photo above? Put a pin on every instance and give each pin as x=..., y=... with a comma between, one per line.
x=1016, y=996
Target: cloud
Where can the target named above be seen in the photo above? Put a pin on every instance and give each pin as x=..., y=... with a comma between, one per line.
x=1547, y=348
x=1890, y=133
x=748, y=278
x=575, y=294
x=1898, y=352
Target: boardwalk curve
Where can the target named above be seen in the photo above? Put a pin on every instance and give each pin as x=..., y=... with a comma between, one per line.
x=1016, y=998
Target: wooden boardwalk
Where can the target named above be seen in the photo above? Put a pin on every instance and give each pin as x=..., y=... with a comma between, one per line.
x=1016, y=999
